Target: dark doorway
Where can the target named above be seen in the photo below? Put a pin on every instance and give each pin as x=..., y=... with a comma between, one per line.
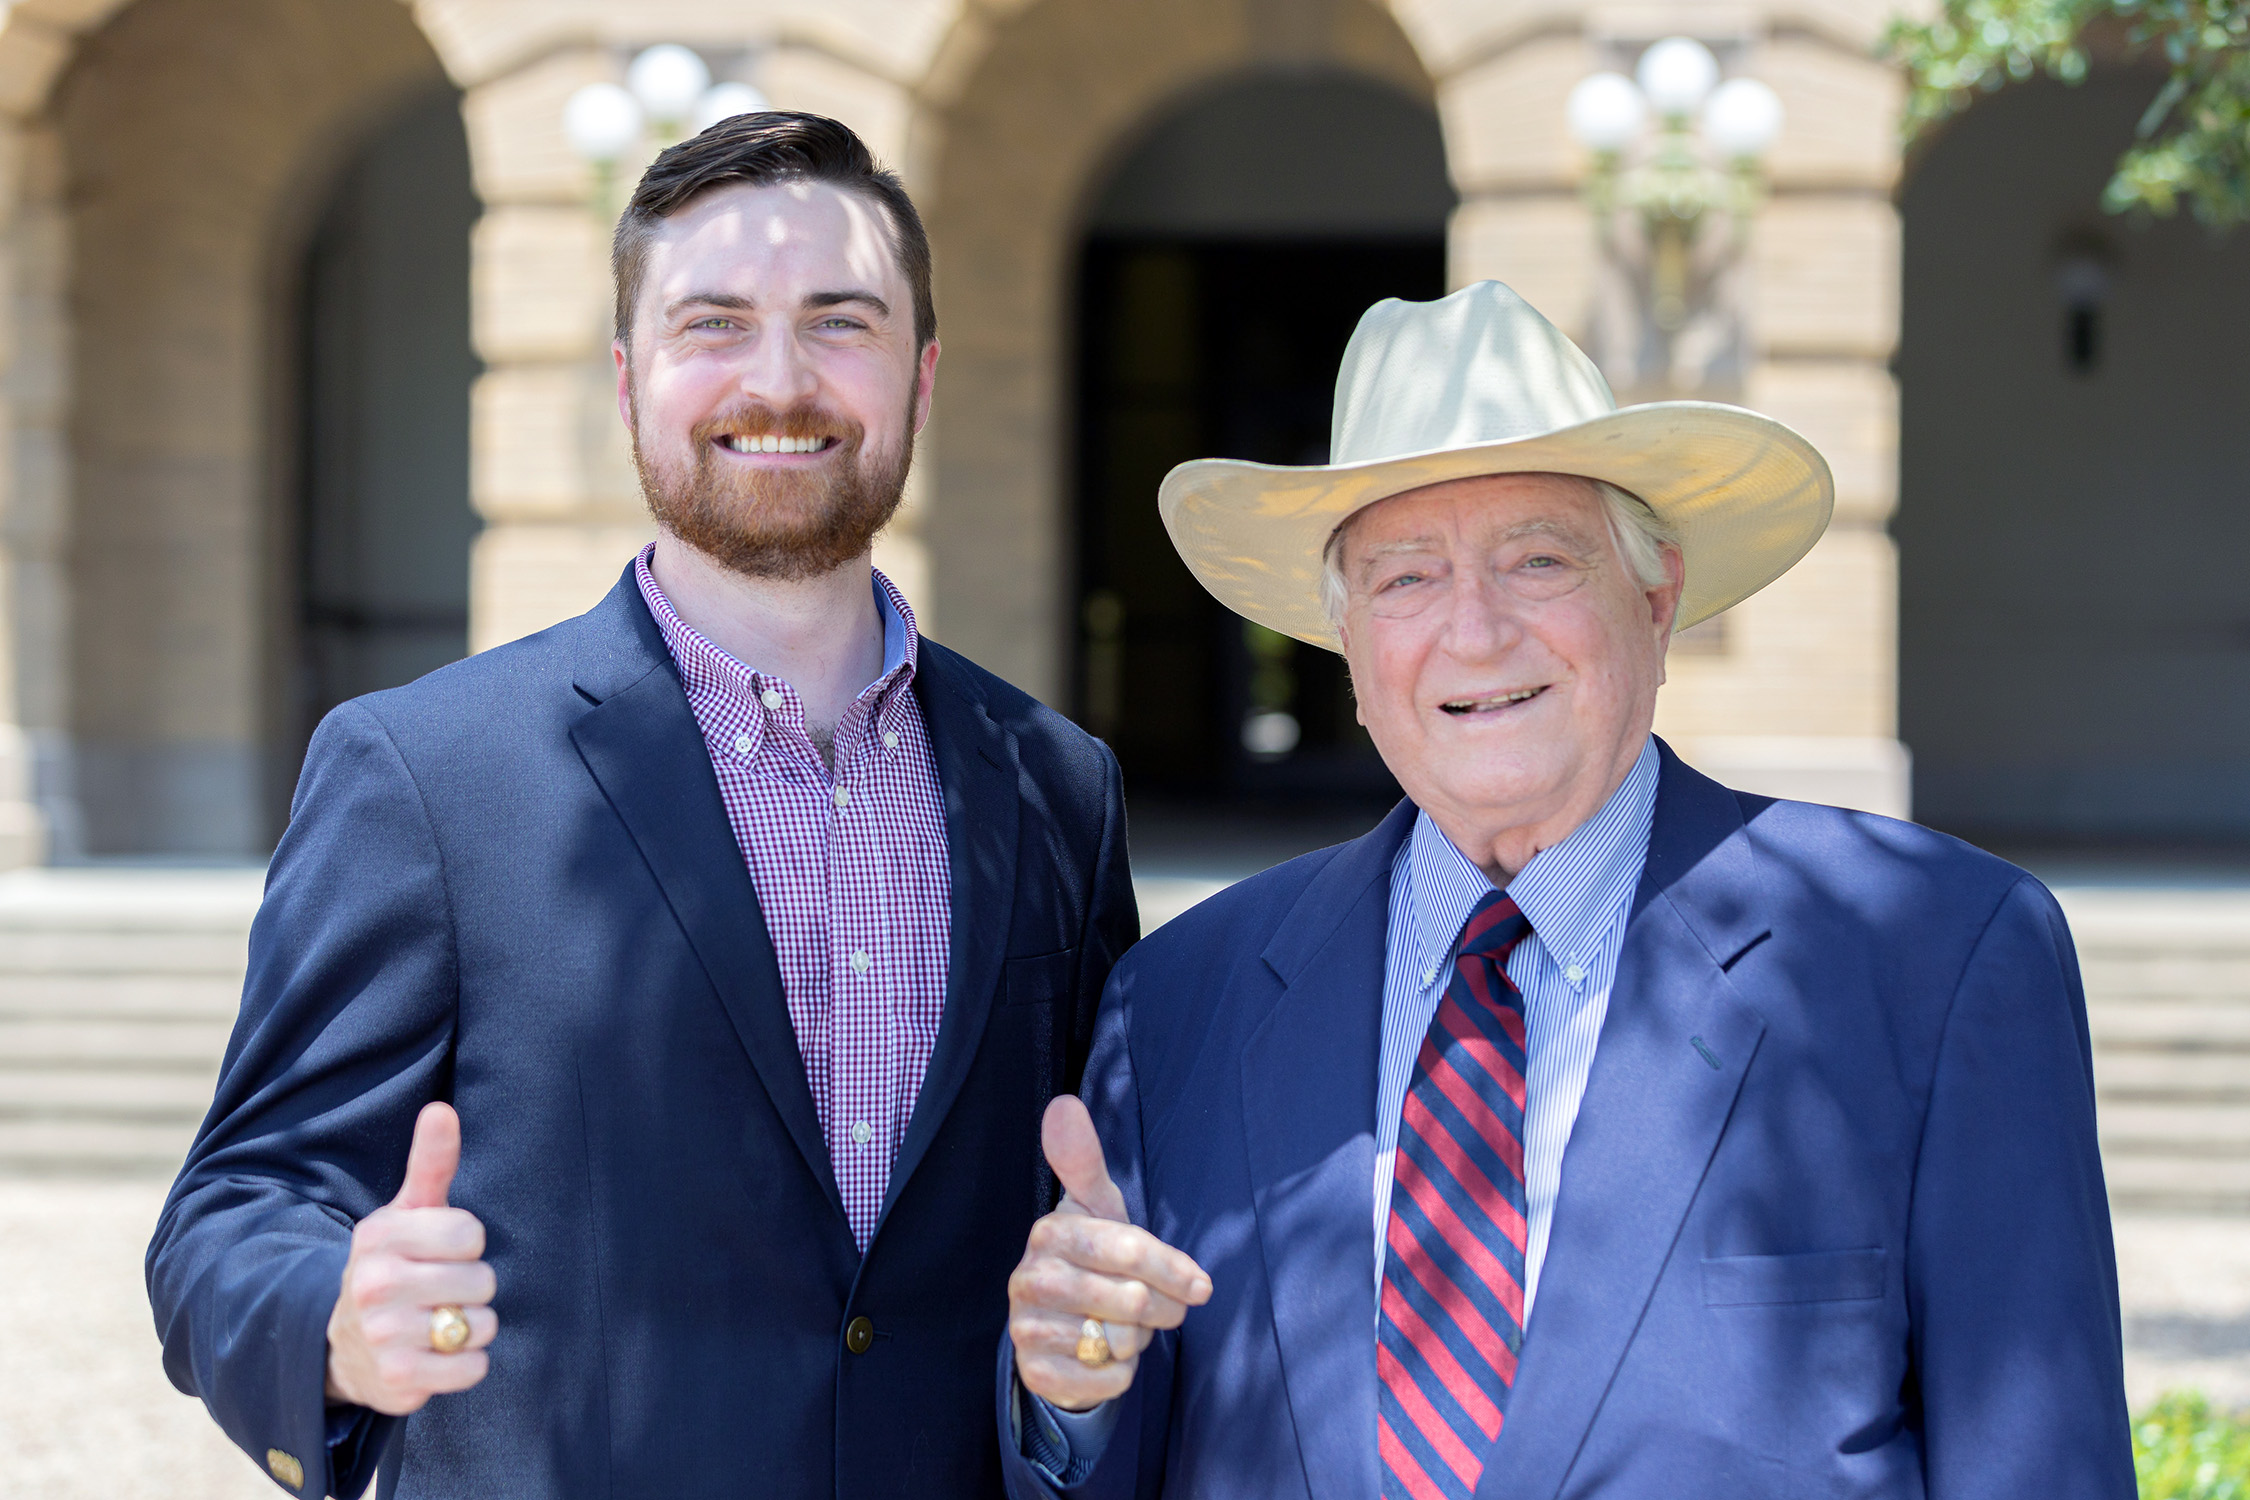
x=383, y=518
x=1223, y=273
x=1229, y=350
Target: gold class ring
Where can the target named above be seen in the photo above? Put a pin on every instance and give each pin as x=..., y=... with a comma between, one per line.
x=1093, y=1344
x=449, y=1329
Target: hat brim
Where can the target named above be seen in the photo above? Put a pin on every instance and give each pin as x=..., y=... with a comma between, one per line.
x=1747, y=496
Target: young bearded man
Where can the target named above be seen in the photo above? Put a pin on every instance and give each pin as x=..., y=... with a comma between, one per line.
x=638, y=1081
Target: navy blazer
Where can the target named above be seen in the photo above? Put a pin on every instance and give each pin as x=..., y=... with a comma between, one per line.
x=1831, y=1222
x=512, y=885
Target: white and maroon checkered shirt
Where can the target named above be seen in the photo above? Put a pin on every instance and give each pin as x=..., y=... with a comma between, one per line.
x=851, y=873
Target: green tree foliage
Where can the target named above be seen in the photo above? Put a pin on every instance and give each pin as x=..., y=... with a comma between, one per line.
x=2183, y=1451
x=2193, y=143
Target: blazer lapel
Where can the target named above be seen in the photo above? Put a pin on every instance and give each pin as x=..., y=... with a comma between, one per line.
x=1674, y=1047
x=642, y=744
x=1308, y=1104
x=978, y=774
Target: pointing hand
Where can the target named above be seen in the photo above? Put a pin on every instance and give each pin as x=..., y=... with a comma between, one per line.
x=1087, y=1260
x=409, y=1257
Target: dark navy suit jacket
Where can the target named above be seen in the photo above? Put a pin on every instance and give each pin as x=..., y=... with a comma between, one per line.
x=1831, y=1223
x=512, y=885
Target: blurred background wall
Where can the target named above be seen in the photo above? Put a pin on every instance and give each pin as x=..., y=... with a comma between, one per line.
x=305, y=388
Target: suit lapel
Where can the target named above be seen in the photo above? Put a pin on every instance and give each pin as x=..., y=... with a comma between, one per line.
x=978, y=773
x=642, y=744
x=1674, y=1047
x=1308, y=1103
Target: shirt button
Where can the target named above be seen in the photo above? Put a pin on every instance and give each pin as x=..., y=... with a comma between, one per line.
x=742, y=744
x=771, y=698
x=1429, y=975
x=843, y=796
x=890, y=739
x=860, y=961
x=1574, y=974
x=862, y=1132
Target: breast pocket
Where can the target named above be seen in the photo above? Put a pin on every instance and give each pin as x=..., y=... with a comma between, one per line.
x=1038, y=978
x=1770, y=1280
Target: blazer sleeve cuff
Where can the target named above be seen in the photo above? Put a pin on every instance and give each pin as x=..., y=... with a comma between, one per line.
x=314, y=1449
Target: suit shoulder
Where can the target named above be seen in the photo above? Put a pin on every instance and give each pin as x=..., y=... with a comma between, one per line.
x=482, y=699
x=1875, y=861
x=1039, y=731
x=1240, y=919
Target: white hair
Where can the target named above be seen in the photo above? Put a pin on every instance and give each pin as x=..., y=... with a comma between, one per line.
x=1641, y=535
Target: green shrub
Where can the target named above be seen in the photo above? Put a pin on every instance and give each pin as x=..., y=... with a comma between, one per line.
x=2183, y=1450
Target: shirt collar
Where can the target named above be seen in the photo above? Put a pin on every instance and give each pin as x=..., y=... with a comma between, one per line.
x=1570, y=891
x=901, y=641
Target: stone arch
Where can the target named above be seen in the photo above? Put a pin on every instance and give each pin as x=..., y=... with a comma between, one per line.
x=172, y=157
x=1040, y=106
x=2074, y=650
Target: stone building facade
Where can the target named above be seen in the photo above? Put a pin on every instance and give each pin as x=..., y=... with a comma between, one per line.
x=169, y=169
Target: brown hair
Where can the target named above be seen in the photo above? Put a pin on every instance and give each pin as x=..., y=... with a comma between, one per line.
x=761, y=150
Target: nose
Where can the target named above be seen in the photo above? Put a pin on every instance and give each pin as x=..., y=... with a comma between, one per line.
x=1482, y=621
x=775, y=370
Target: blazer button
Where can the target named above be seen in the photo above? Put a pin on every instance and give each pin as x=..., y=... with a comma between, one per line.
x=859, y=1335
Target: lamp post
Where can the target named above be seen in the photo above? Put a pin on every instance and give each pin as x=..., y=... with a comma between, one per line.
x=667, y=96
x=1700, y=161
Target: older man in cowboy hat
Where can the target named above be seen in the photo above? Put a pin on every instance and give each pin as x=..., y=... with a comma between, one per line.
x=1586, y=1129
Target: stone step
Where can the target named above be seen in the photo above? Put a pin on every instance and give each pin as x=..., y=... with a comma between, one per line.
x=54, y=1043
x=2185, y=1025
x=212, y=998
x=57, y=1146
x=2169, y=1180
x=2219, y=1077
x=2187, y=1128
x=174, y=1095
x=95, y=951
x=2168, y=977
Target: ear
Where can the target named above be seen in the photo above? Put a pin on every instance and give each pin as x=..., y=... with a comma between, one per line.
x=925, y=385
x=624, y=363
x=1664, y=608
x=1664, y=599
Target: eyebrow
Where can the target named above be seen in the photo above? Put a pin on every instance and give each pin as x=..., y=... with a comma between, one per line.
x=735, y=302
x=1539, y=526
x=838, y=299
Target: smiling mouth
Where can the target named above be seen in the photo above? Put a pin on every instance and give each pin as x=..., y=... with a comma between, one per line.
x=774, y=443
x=1461, y=706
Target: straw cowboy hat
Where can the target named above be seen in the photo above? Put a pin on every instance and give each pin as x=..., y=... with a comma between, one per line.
x=1480, y=383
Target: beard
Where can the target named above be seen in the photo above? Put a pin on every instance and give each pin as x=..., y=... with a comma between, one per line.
x=783, y=524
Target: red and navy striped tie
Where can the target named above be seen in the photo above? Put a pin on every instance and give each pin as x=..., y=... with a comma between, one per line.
x=1452, y=1313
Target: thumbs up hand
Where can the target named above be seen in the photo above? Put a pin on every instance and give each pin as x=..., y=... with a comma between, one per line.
x=410, y=1257
x=1087, y=1260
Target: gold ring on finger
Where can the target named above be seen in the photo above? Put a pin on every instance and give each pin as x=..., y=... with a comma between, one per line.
x=1093, y=1344
x=449, y=1329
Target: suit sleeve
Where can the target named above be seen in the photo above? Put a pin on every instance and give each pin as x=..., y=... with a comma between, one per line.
x=1113, y=919
x=345, y=1031
x=1131, y=1463
x=2011, y=1277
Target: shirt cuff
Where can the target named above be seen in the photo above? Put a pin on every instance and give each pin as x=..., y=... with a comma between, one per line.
x=1066, y=1444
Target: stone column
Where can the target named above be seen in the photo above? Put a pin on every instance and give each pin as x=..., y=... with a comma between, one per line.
x=39, y=813
x=1800, y=698
x=551, y=472
x=38, y=808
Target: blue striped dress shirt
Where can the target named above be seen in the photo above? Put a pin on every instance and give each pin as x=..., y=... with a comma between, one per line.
x=1577, y=895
